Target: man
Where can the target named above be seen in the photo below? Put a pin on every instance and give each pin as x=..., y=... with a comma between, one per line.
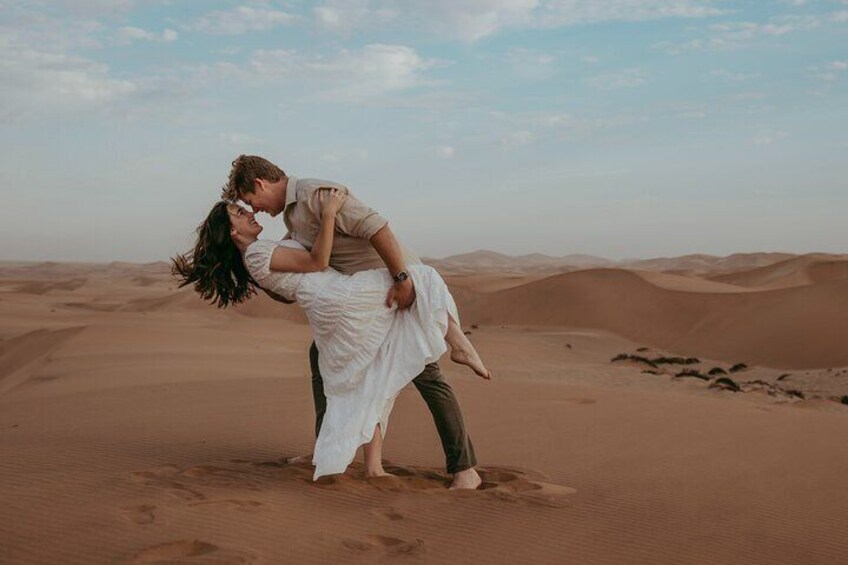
x=363, y=241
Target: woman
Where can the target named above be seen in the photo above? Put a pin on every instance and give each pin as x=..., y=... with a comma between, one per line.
x=368, y=352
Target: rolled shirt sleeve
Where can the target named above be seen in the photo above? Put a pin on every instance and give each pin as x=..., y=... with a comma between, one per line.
x=354, y=218
x=356, y=224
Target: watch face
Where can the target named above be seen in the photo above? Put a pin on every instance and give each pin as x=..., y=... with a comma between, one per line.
x=401, y=276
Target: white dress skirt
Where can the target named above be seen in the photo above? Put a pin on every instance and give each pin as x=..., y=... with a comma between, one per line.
x=367, y=352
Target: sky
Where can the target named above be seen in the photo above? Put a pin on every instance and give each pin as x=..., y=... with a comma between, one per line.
x=623, y=128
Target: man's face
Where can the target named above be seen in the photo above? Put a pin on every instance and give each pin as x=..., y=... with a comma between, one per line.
x=264, y=199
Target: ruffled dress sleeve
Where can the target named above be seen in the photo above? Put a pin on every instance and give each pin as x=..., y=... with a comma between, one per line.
x=257, y=259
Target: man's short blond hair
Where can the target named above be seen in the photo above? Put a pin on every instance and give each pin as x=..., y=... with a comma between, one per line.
x=244, y=172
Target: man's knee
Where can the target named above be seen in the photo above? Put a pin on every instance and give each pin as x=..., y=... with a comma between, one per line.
x=433, y=387
x=431, y=374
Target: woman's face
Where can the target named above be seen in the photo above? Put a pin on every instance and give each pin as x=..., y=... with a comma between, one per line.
x=243, y=221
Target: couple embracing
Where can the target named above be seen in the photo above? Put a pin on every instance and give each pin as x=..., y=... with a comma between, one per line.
x=380, y=319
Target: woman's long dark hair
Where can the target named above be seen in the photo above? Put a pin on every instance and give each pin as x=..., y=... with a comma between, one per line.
x=215, y=266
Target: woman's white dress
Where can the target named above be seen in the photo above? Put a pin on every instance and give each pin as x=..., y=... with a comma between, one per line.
x=367, y=352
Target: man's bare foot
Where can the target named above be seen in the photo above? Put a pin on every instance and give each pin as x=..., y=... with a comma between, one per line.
x=472, y=359
x=466, y=480
x=298, y=459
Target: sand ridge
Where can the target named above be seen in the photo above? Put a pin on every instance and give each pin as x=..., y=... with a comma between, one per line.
x=146, y=426
x=768, y=327
x=797, y=271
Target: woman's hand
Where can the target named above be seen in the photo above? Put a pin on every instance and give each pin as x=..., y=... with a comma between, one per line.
x=331, y=201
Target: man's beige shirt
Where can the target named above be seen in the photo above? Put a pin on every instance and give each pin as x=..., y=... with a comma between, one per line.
x=356, y=223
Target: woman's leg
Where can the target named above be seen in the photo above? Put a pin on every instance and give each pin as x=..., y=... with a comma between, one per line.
x=374, y=455
x=462, y=351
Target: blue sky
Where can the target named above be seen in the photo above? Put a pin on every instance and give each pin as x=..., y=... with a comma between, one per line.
x=625, y=128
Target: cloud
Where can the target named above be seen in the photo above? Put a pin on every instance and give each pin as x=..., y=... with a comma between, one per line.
x=513, y=129
x=474, y=20
x=126, y=35
x=470, y=20
x=518, y=138
x=751, y=95
x=840, y=17
x=830, y=71
x=350, y=75
x=687, y=110
x=745, y=32
x=240, y=139
x=531, y=64
x=768, y=137
x=735, y=35
x=627, y=78
x=25, y=26
x=43, y=83
x=93, y=8
x=549, y=119
x=559, y=13
x=730, y=76
x=241, y=19
x=345, y=15
x=446, y=151
x=344, y=155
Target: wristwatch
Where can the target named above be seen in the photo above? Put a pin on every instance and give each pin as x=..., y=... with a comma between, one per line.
x=400, y=277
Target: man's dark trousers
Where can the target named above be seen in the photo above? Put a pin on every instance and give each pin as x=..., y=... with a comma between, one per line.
x=437, y=393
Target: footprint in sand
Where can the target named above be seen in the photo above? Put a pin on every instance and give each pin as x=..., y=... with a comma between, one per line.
x=183, y=492
x=582, y=400
x=194, y=484
x=389, y=514
x=210, y=475
x=512, y=485
x=385, y=544
x=505, y=484
x=152, y=475
x=140, y=514
x=243, y=505
x=501, y=483
x=160, y=478
x=193, y=551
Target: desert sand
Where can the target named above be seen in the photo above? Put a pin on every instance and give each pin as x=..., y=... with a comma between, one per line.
x=140, y=425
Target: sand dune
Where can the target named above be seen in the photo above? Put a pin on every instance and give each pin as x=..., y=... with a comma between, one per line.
x=771, y=327
x=139, y=424
x=260, y=306
x=18, y=352
x=490, y=283
x=491, y=262
x=194, y=471
x=699, y=264
x=183, y=299
x=806, y=269
x=683, y=283
x=50, y=270
x=44, y=286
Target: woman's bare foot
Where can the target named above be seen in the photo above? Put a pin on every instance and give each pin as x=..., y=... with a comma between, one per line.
x=462, y=350
x=371, y=473
x=466, y=480
x=373, y=451
x=472, y=359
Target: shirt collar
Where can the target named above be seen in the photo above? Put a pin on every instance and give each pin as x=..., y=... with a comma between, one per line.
x=291, y=191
